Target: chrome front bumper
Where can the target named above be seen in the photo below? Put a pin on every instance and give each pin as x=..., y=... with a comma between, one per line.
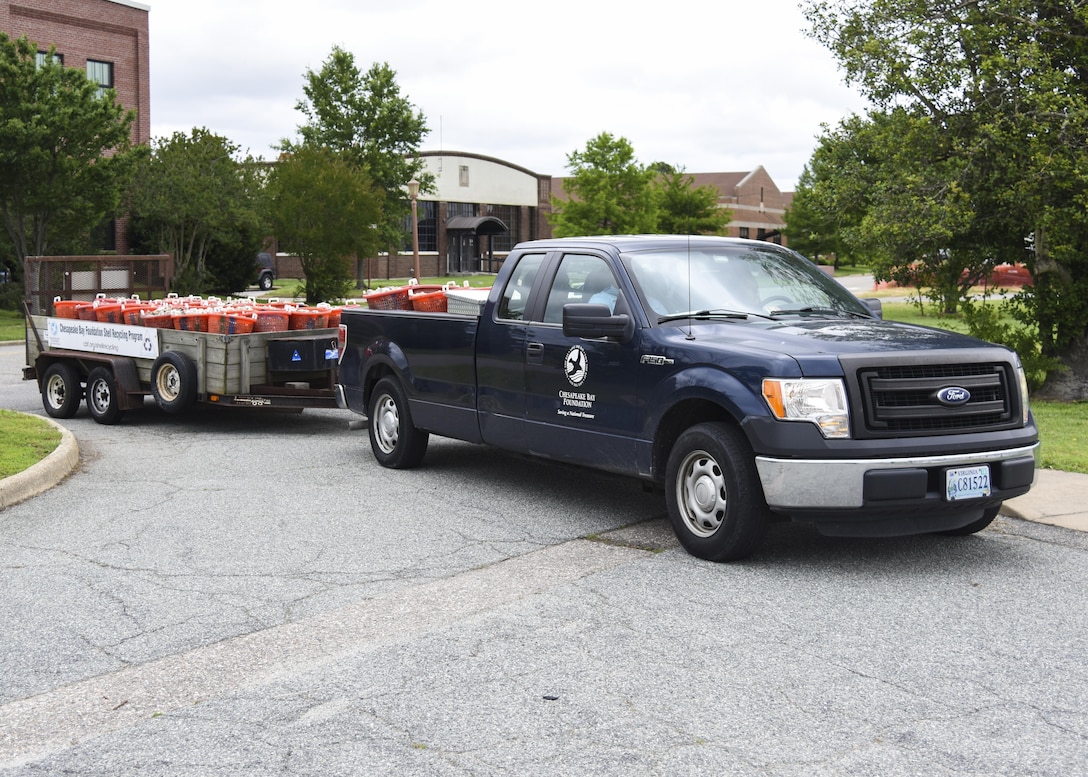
x=839, y=483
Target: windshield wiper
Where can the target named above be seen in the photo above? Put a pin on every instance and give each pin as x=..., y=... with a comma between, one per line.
x=817, y=311
x=708, y=314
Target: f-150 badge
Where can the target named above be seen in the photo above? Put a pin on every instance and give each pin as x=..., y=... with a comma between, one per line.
x=655, y=360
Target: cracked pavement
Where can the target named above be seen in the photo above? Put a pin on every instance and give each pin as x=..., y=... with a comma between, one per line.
x=239, y=593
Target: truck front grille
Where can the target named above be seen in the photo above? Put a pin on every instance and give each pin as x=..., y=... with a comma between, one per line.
x=901, y=400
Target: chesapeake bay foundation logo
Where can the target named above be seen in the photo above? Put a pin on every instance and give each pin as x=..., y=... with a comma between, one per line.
x=576, y=366
x=576, y=404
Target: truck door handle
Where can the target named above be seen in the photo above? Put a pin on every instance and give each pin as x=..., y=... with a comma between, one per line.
x=535, y=353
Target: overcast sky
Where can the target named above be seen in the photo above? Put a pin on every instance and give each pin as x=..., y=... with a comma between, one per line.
x=708, y=85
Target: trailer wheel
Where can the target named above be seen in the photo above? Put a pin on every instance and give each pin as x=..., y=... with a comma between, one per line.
x=713, y=494
x=396, y=443
x=61, y=391
x=102, y=398
x=173, y=382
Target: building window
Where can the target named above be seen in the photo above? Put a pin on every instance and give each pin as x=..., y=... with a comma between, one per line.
x=428, y=226
x=105, y=235
x=743, y=232
x=460, y=209
x=100, y=73
x=427, y=212
x=462, y=175
x=43, y=57
x=761, y=234
x=508, y=215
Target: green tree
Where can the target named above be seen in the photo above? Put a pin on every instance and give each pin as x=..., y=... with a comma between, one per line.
x=321, y=206
x=365, y=118
x=999, y=92
x=64, y=151
x=191, y=191
x=687, y=209
x=609, y=192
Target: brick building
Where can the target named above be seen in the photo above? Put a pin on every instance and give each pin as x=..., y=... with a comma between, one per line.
x=758, y=206
x=106, y=38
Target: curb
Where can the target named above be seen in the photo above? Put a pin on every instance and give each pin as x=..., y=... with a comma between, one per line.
x=45, y=474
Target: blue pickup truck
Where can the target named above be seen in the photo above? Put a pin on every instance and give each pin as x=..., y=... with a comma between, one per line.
x=733, y=374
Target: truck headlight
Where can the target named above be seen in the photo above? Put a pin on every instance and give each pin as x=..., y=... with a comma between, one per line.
x=1024, y=407
x=821, y=401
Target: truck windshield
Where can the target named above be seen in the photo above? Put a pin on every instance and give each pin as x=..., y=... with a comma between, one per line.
x=764, y=280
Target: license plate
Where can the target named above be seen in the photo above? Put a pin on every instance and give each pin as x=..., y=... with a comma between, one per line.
x=967, y=483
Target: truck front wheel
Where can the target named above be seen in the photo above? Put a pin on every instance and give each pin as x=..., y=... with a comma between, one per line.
x=102, y=398
x=714, y=497
x=396, y=443
x=61, y=392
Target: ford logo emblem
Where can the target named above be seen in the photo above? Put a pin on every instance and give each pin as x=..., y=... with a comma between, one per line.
x=953, y=396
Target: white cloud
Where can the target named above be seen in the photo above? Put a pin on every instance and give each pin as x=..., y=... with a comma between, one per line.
x=696, y=83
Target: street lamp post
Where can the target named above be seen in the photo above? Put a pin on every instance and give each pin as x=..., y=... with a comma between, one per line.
x=413, y=192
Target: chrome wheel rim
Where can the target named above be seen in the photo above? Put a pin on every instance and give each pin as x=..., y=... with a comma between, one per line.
x=99, y=393
x=386, y=424
x=168, y=382
x=55, y=391
x=702, y=494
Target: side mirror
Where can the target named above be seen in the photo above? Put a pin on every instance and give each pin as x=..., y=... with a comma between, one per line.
x=875, y=306
x=592, y=321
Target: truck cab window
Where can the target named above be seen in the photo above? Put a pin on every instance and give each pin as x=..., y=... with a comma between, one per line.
x=516, y=294
x=580, y=278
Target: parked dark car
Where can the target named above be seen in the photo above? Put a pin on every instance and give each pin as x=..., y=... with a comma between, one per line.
x=266, y=271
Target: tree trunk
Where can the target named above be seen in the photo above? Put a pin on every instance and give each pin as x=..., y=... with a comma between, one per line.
x=1071, y=383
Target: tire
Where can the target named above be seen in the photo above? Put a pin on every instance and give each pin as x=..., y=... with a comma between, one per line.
x=713, y=494
x=264, y=282
x=102, y=398
x=396, y=443
x=61, y=390
x=975, y=526
x=173, y=382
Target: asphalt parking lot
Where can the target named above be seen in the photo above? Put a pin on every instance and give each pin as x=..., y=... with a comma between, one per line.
x=242, y=593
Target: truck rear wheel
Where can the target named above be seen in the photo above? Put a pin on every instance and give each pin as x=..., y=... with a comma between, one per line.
x=173, y=382
x=396, y=443
x=713, y=494
x=61, y=391
x=102, y=398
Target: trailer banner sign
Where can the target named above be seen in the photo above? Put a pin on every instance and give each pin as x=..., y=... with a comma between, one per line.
x=139, y=342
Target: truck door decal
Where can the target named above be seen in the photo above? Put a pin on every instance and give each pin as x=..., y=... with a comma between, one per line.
x=576, y=365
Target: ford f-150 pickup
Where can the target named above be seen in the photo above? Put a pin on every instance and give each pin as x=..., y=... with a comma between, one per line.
x=734, y=374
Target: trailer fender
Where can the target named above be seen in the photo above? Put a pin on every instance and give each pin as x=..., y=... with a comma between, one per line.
x=130, y=394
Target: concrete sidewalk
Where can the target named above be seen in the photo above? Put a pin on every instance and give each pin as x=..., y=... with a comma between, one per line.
x=1058, y=498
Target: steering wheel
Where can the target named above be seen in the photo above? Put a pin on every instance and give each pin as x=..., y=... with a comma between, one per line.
x=766, y=303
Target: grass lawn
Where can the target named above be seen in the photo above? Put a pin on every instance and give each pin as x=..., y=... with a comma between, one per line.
x=24, y=441
x=11, y=326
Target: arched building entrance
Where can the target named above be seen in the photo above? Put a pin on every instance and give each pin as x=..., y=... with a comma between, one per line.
x=463, y=250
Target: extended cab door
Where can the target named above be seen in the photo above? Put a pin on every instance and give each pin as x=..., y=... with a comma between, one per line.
x=581, y=395
x=500, y=356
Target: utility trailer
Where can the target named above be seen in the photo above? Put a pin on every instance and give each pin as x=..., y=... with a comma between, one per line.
x=117, y=366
